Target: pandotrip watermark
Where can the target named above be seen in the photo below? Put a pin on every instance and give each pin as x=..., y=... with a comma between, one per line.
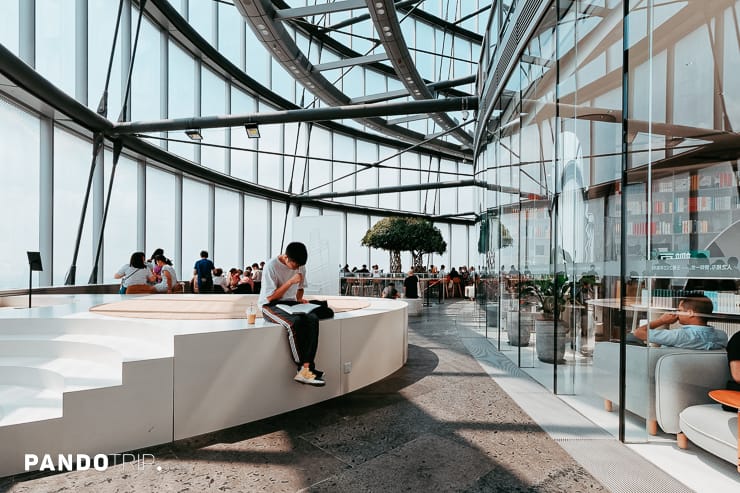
x=86, y=462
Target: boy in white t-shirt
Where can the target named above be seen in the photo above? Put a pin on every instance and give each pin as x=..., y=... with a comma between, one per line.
x=283, y=281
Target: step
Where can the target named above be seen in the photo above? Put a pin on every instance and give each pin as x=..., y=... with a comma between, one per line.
x=29, y=394
x=83, y=365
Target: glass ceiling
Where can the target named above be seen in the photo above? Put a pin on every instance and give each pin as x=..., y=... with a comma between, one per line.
x=369, y=51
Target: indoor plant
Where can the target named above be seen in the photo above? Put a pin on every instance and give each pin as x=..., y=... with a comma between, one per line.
x=550, y=293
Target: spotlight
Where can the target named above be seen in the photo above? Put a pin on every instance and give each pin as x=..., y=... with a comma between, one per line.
x=194, y=134
x=253, y=130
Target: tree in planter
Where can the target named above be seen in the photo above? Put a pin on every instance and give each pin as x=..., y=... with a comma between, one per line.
x=550, y=294
x=397, y=234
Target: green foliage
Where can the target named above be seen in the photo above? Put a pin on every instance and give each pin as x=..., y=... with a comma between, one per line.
x=414, y=235
x=549, y=292
x=581, y=290
x=485, y=243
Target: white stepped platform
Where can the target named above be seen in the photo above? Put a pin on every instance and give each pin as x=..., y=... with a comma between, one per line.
x=88, y=384
x=29, y=394
x=82, y=365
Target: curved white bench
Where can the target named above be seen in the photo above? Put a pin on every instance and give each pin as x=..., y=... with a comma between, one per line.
x=414, y=305
x=181, y=378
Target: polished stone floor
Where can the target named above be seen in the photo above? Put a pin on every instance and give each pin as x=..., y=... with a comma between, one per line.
x=441, y=423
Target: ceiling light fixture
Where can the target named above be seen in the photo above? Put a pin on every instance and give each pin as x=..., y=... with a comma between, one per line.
x=194, y=134
x=253, y=130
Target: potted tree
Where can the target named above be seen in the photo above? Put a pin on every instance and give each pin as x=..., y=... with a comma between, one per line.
x=550, y=293
x=520, y=323
x=397, y=234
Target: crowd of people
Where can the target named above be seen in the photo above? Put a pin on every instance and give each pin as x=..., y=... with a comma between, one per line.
x=157, y=275
x=448, y=284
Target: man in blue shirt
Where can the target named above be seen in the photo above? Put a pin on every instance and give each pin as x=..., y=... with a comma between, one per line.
x=203, y=272
x=695, y=333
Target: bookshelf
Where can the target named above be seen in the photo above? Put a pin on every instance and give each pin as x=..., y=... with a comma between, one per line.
x=683, y=212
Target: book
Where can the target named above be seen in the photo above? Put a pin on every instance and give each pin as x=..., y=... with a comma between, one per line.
x=297, y=309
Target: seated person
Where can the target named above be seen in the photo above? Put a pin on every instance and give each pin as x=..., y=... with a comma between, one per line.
x=135, y=273
x=733, y=359
x=695, y=333
x=168, y=276
x=221, y=282
x=390, y=291
x=245, y=285
x=411, y=286
x=234, y=276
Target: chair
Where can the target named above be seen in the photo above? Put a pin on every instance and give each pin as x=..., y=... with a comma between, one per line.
x=446, y=286
x=140, y=289
x=377, y=287
x=456, y=286
x=348, y=284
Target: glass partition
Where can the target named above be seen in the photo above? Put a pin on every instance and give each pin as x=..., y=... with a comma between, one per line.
x=623, y=207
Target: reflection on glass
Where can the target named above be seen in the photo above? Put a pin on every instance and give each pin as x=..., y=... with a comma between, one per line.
x=120, y=237
x=19, y=167
x=71, y=169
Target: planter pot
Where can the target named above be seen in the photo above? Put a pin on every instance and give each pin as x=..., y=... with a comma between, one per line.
x=492, y=314
x=547, y=351
x=519, y=326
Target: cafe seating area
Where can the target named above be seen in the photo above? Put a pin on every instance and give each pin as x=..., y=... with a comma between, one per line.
x=430, y=286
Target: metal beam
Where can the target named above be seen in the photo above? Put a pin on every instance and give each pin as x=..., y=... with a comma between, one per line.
x=446, y=84
x=407, y=119
x=390, y=189
x=351, y=62
x=383, y=96
x=319, y=9
x=301, y=115
x=432, y=86
x=385, y=19
x=409, y=188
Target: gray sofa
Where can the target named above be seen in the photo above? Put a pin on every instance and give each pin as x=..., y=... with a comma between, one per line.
x=661, y=382
x=712, y=429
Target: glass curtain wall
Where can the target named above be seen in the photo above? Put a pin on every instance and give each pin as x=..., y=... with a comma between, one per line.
x=156, y=205
x=611, y=195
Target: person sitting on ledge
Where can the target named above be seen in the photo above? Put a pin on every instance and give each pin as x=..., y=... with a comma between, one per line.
x=283, y=280
x=695, y=333
x=390, y=291
x=411, y=286
x=168, y=274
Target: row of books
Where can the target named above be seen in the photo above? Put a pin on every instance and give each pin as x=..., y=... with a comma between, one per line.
x=723, y=301
x=665, y=298
x=683, y=204
x=705, y=179
x=693, y=226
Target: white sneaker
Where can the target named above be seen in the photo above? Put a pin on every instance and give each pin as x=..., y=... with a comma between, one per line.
x=305, y=375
